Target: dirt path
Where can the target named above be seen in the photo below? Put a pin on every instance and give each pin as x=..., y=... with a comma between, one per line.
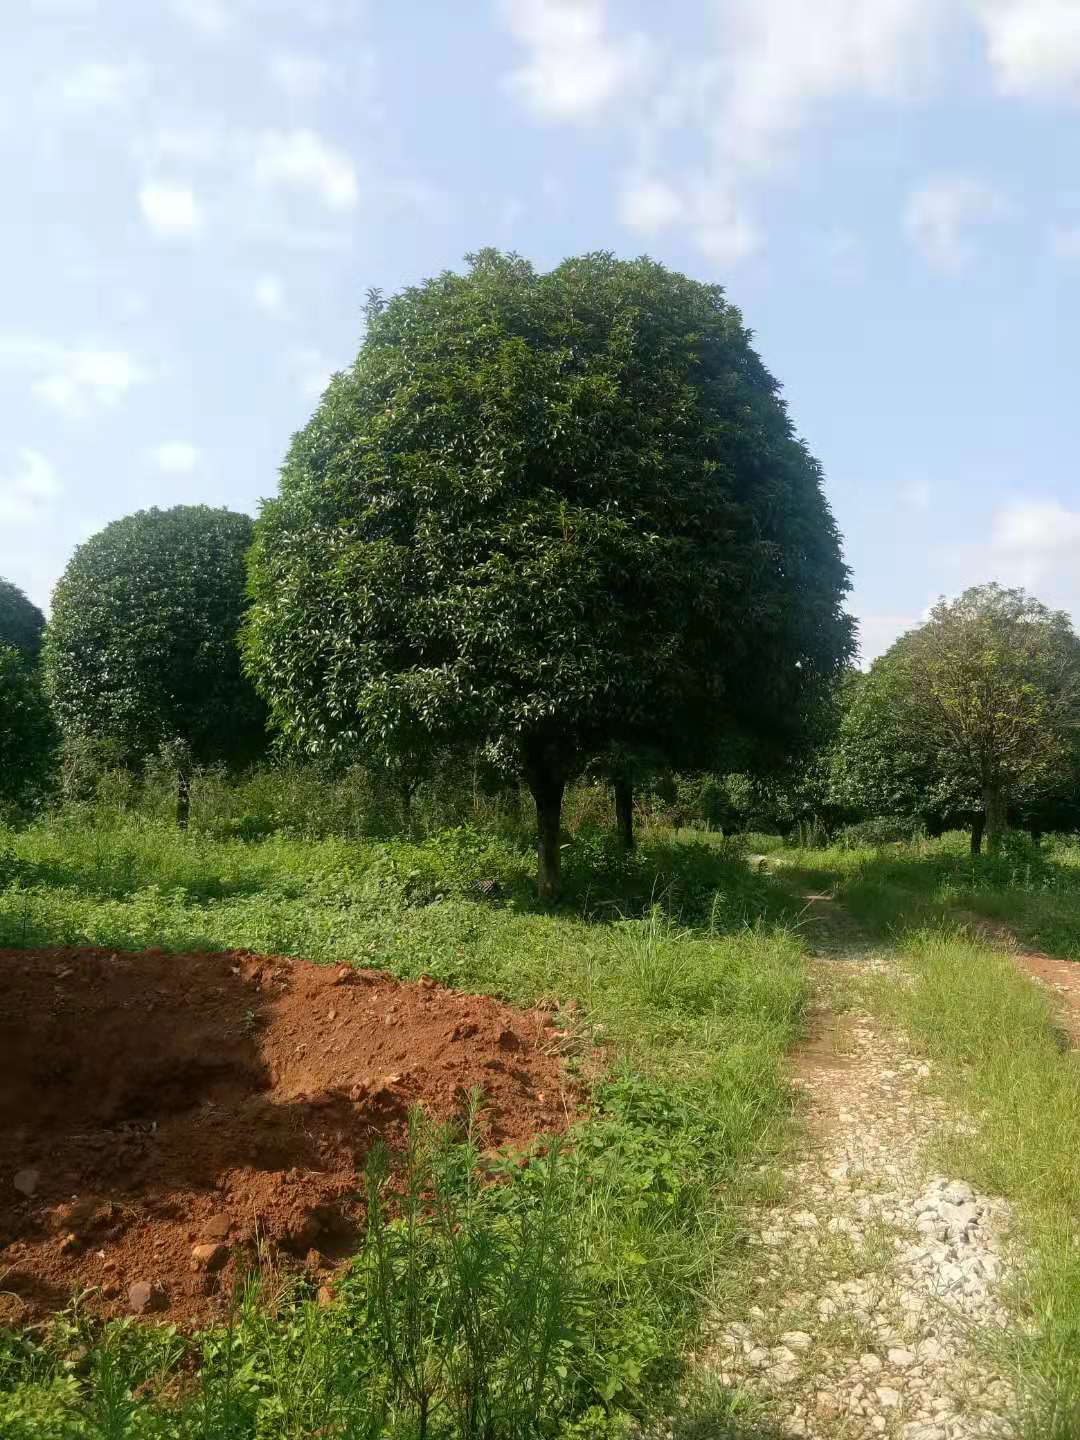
x=876, y=1274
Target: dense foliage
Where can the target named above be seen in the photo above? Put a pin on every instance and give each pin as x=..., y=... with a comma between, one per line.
x=142, y=646
x=975, y=713
x=21, y=622
x=554, y=515
x=27, y=734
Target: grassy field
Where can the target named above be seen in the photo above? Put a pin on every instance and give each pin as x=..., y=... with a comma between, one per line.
x=688, y=968
x=625, y=1236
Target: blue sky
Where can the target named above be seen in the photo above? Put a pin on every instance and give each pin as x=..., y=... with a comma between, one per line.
x=197, y=194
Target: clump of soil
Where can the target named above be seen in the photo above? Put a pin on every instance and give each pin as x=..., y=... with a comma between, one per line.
x=165, y=1119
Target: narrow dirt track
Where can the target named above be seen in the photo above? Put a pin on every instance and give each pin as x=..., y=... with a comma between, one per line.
x=876, y=1274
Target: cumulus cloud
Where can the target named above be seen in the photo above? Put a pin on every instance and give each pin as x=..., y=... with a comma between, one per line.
x=941, y=215
x=574, y=68
x=269, y=293
x=1036, y=528
x=170, y=210
x=1034, y=46
x=74, y=380
x=302, y=160
x=710, y=211
x=176, y=457
x=29, y=489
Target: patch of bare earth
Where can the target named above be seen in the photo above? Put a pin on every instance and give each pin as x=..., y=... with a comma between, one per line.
x=169, y=1122
x=876, y=1276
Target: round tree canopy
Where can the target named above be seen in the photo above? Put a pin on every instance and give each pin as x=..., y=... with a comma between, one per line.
x=566, y=510
x=142, y=646
x=21, y=622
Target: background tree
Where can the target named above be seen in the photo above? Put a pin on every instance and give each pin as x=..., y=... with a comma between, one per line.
x=559, y=512
x=975, y=713
x=27, y=734
x=141, y=651
x=21, y=622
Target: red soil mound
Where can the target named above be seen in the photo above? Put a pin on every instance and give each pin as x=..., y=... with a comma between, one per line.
x=162, y=1115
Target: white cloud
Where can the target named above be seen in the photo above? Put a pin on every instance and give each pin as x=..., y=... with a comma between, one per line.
x=650, y=205
x=29, y=489
x=1034, y=46
x=877, y=633
x=575, y=68
x=209, y=17
x=775, y=59
x=303, y=160
x=269, y=293
x=1036, y=528
x=301, y=77
x=711, y=212
x=1065, y=242
x=1031, y=542
x=99, y=86
x=74, y=380
x=941, y=214
x=169, y=209
x=176, y=457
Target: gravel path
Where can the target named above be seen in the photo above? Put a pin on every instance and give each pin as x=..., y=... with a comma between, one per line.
x=878, y=1279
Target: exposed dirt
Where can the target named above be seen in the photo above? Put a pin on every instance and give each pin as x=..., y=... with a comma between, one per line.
x=165, y=1118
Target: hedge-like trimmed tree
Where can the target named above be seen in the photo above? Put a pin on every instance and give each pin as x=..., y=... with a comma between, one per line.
x=562, y=512
x=141, y=650
x=975, y=713
x=27, y=733
x=21, y=622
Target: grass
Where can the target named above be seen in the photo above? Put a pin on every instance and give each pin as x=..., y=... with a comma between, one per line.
x=1034, y=890
x=1002, y=1061
x=680, y=963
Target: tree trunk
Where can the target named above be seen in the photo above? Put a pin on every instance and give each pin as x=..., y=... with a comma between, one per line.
x=624, y=811
x=997, y=821
x=547, y=782
x=978, y=825
x=183, y=798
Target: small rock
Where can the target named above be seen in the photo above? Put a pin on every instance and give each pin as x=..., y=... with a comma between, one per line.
x=805, y=1220
x=26, y=1181
x=69, y=1244
x=209, y=1257
x=888, y=1398
x=796, y=1340
x=901, y=1359
x=216, y=1228
x=871, y=1364
x=144, y=1297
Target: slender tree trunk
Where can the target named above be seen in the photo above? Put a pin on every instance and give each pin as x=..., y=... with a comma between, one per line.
x=624, y=811
x=997, y=821
x=183, y=797
x=547, y=781
x=978, y=825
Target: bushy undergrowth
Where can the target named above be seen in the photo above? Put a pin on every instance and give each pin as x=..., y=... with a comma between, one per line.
x=627, y=1229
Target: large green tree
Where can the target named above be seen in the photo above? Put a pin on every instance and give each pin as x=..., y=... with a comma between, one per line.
x=27, y=734
x=141, y=650
x=559, y=512
x=975, y=713
x=21, y=622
